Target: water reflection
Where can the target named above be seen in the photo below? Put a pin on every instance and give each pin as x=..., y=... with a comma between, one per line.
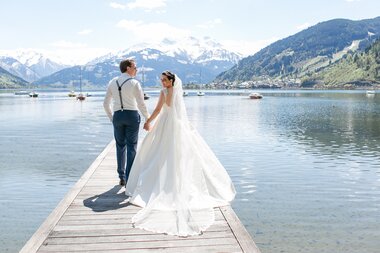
x=304, y=166
x=331, y=123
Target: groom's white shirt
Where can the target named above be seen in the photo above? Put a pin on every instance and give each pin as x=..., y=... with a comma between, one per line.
x=132, y=94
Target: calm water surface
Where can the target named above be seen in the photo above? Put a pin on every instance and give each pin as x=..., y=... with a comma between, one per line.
x=305, y=163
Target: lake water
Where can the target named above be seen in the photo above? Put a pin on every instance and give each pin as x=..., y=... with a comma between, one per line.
x=305, y=163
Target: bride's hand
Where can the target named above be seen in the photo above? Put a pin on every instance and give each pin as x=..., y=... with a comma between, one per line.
x=147, y=126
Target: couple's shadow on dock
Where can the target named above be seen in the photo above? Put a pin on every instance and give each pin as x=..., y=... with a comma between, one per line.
x=110, y=200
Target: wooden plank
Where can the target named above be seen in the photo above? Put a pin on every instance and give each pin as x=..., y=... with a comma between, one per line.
x=112, y=217
x=190, y=249
x=47, y=226
x=106, y=222
x=124, y=210
x=121, y=231
x=138, y=245
x=76, y=211
x=133, y=238
x=244, y=238
x=127, y=225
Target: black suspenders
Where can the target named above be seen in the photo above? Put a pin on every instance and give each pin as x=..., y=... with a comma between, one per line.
x=119, y=88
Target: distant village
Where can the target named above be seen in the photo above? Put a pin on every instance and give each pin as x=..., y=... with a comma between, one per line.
x=263, y=83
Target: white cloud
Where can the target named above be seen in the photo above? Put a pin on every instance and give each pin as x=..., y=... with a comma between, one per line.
x=303, y=26
x=351, y=1
x=247, y=48
x=85, y=32
x=74, y=53
x=68, y=44
x=210, y=24
x=147, y=4
x=152, y=32
x=73, y=56
x=129, y=24
x=117, y=6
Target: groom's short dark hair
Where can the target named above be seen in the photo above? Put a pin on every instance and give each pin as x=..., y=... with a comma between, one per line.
x=126, y=63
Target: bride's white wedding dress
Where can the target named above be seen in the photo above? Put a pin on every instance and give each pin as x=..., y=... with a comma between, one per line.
x=176, y=177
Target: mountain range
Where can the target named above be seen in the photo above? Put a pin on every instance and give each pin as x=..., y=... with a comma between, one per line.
x=298, y=56
x=194, y=60
x=29, y=65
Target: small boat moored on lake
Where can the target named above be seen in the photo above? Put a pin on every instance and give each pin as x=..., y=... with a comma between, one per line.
x=81, y=97
x=255, y=95
x=33, y=94
x=72, y=94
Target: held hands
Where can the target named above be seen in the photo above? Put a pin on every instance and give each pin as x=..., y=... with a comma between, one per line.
x=147, y=126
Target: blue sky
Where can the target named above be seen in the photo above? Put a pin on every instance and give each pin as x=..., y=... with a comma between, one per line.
x=79, y=30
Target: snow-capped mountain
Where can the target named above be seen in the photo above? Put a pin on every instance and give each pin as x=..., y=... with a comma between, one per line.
x=190, y=49
x=194, y=60
x=29, y=65
x=38, y=62
x=17, y=68
x=198, y=50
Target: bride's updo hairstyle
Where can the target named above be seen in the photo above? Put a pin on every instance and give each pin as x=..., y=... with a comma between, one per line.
x=169, y=75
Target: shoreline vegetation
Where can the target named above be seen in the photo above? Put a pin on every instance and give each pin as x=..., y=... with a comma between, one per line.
x=206, y=87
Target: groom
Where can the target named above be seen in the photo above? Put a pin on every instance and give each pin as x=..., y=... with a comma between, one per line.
x=127, y=97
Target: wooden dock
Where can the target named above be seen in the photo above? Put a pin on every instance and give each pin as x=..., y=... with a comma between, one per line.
x=94, y=216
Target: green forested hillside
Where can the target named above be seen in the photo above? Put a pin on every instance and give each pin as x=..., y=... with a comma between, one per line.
x=356, y=68
x=9, y=81
x=307, y=51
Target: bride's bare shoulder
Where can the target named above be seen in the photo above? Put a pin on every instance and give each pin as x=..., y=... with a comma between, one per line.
x=164, y=91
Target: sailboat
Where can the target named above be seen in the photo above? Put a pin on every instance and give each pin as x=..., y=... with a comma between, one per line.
x=200, y=93
x=146, y=96
x=80, y=96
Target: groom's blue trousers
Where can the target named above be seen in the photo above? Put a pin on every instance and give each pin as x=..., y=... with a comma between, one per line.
x=126, y=131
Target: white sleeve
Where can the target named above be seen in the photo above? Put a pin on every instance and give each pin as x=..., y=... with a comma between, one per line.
x=107, y=102
x=139, y=94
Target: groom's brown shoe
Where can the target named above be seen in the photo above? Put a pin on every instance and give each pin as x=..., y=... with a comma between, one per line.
x=122, y=182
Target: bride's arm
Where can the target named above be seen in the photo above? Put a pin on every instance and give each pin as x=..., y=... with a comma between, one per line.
x=157, y=110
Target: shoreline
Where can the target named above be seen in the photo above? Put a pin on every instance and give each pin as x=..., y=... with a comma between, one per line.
x=207, y=89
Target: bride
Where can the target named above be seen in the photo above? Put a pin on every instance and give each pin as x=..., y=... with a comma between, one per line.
x=175, y=177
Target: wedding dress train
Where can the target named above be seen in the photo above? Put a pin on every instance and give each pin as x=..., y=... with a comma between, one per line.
x=176, y=177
